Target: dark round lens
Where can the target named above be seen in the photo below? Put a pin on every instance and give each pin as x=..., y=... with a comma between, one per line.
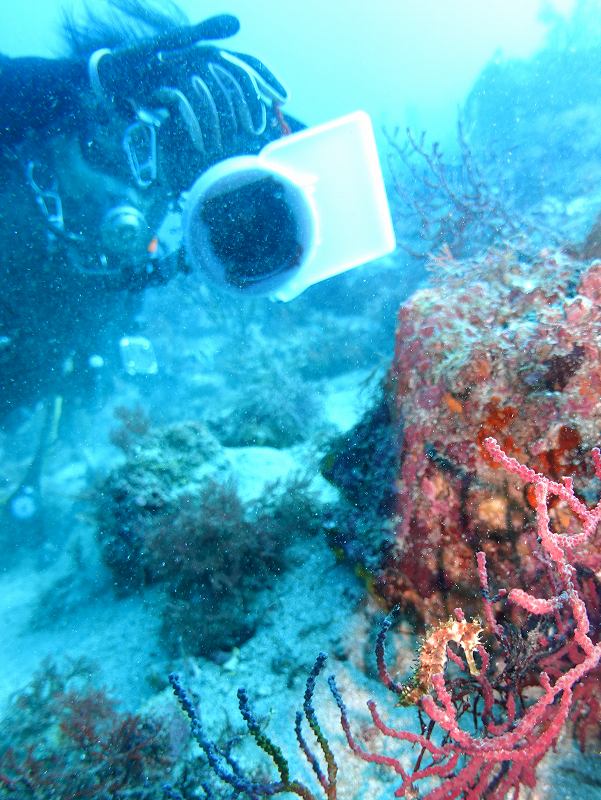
x=253, y=232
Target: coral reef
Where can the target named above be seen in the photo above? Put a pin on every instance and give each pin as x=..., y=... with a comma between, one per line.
x=171, y=516
x=215, y=556
x=524, y=168
x=509, y=349
x=161, y=466
x=498, y=346
x=230, y=772
x=65, y=739
x=511, y=352
x=270, y=410
x=487, y=713
x=532, y=110
x=456, y=200
x=234, y=355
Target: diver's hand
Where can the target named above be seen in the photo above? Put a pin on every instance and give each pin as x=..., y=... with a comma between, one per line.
x=216, y=93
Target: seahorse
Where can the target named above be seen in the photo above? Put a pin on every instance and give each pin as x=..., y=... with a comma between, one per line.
x=432, y=655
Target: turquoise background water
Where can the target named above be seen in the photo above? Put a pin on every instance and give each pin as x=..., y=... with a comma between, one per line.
x=404, y=61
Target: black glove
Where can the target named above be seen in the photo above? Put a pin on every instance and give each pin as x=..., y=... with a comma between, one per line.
x=217, y=93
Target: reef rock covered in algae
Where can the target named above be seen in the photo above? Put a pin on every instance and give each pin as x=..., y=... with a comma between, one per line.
x=499, y=346
x=172, y=516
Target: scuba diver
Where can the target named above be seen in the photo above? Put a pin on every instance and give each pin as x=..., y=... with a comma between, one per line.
x=96, y=150
x=151, y=150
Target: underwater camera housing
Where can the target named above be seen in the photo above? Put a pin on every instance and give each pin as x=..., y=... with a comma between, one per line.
x=309, y=206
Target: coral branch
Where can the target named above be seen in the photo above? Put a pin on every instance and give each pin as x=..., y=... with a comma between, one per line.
x=502, y=749
x=232, y=775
